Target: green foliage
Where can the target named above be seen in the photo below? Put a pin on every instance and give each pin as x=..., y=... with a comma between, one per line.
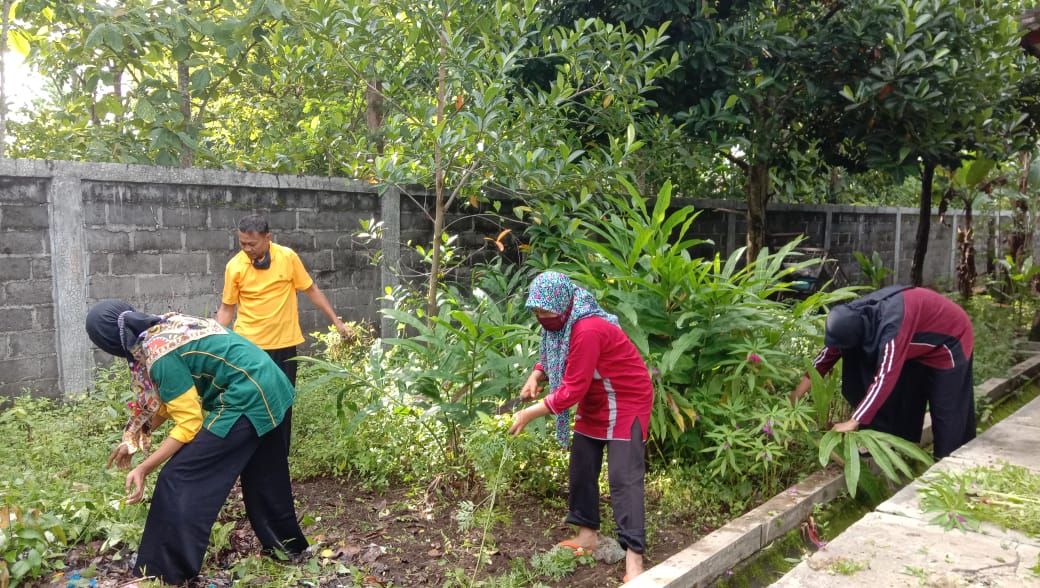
x=827, y=403
x=873, y=268
x=345, y=350
x=28, y=541
x=137, y=82
x=347, y=421
x=684, y=493
x=455, y=369
x=716, y=338
x=502, y=462
x=55, y=490
x=1022, y=281
x=995, y=332
x=847, y=567
x=462, y=363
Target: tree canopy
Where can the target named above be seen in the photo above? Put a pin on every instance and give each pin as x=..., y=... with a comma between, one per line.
x=766, y=98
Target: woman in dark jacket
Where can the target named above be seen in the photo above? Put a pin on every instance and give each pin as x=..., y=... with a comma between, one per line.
x=904, y=351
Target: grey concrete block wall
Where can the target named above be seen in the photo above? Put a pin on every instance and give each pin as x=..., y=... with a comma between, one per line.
x=28, y=355
x=72, y=234
x=159, y=238
x=845, y=230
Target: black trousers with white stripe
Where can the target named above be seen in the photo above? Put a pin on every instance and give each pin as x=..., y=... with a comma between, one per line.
x=949, y=395
x=193, y=486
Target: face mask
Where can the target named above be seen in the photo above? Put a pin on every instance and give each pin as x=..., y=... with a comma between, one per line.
x=552, y=323
x=264, y=262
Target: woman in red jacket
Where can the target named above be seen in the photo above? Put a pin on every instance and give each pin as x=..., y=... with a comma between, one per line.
x=590, y=362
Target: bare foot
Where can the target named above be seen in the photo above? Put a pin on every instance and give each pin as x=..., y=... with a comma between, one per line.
x=586, y=539
x=633, y=565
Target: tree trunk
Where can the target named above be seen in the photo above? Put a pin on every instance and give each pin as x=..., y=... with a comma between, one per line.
x=924, y=224
x=5, y=27
x=966, y=273
x=757, y=198
x=991, y=245
x=374, y=112
x=438, y=158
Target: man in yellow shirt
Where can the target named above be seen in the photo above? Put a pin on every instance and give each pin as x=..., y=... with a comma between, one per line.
x=261, y=281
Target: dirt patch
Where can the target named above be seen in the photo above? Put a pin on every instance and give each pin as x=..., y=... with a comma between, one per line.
x=396, y=537
x=417, y=540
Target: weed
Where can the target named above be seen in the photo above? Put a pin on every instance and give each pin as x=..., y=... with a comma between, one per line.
x=847, y=567
x=1006, y=496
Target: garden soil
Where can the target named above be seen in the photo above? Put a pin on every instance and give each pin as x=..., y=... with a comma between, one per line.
x=397, y=538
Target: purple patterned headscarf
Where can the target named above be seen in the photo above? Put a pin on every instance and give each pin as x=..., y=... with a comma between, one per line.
x=556, y=292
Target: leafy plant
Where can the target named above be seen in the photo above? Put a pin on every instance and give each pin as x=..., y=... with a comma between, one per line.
x=717, y=340
x=345, y=350
x=462, y=363
x=873, y=268
x=847, y=567
x=1022, y=281
x=502, y=462
x=827, y=403
x=29, y=540
x=887, y=451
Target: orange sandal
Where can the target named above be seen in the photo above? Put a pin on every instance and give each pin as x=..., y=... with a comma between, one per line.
x=577, y=549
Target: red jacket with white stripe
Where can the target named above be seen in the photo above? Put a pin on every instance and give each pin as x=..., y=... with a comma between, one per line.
x=608, y=380
x=934, y=331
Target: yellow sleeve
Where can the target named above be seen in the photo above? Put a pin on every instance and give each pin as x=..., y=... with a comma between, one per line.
x=230, y=293
x=186, y=412
x=300, y=278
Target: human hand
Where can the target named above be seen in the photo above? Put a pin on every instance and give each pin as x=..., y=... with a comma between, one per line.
x=120, y=456
x=847, y=426
x=532, y=389
x=135, y=485
x=519, y=422
x=346, y=331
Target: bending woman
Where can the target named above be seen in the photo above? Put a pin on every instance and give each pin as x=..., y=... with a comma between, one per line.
x=231, y=407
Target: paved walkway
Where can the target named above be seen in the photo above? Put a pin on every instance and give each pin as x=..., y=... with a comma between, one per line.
x=896, y=546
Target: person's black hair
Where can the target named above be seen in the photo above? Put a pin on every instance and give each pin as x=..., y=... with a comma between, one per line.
x=254, y=223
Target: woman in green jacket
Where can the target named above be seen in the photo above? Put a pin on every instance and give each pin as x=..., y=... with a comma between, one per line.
x=231, y=408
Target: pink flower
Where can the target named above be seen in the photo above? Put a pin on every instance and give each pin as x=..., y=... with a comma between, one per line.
x=753, y=358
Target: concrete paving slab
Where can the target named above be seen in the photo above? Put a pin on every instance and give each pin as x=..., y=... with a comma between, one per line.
x=1013, y=440
x=885, y=550
x=1028, y=414
x=906, y=502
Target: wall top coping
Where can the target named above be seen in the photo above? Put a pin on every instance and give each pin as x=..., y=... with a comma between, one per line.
x=741, y=207
x=150, y=174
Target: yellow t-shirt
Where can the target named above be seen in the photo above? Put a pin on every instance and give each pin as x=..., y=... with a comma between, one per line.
x=267, y=310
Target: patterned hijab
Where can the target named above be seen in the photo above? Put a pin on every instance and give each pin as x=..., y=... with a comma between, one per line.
x=556, y=293
x=142, y=339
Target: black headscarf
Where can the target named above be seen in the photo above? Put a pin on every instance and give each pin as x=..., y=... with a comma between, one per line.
x=114, y=326
x=866, y=323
